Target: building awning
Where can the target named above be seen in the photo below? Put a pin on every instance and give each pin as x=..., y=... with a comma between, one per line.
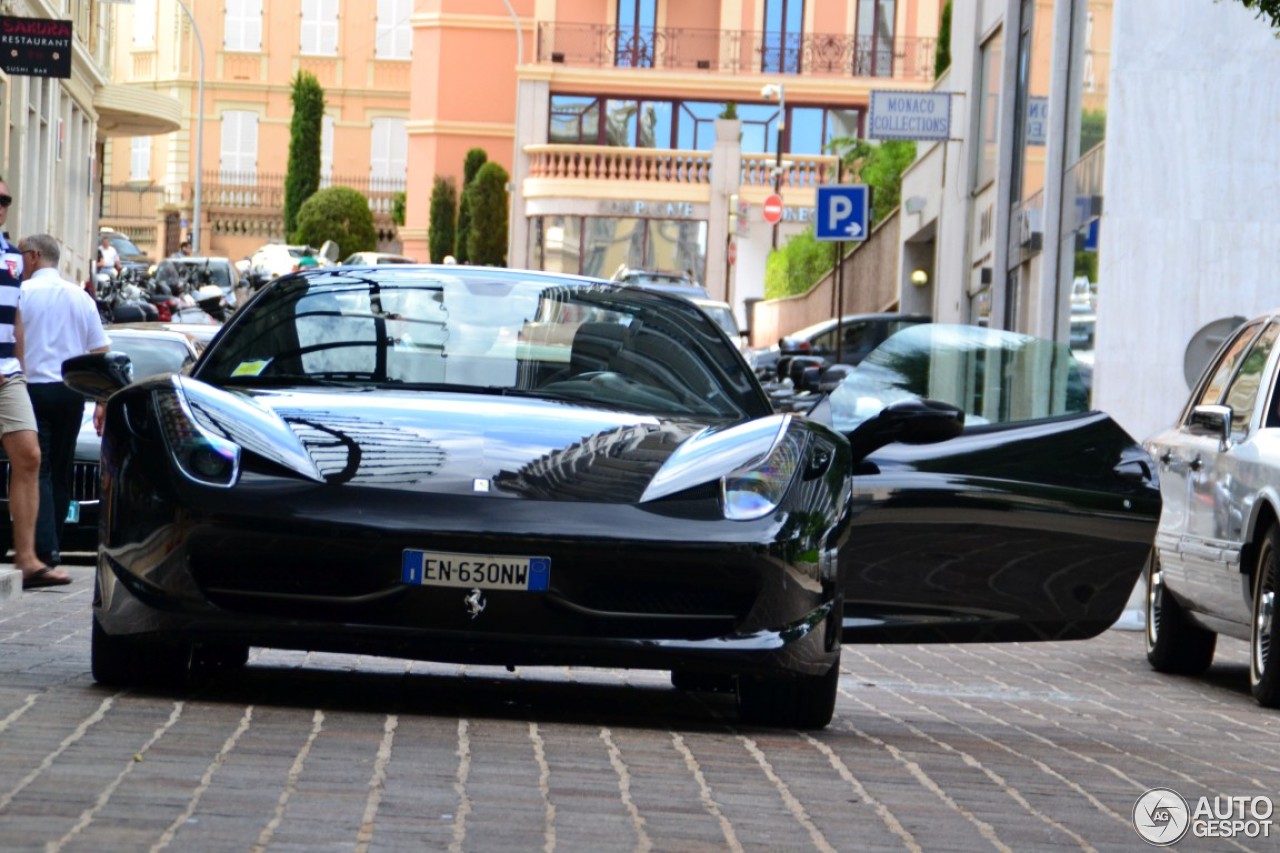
x=134, y=111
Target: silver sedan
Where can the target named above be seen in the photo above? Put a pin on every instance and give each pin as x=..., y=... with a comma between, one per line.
x=1214, y=568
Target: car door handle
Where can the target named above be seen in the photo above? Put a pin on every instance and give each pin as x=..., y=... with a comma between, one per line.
x=1166, y=457
x=1195, y=464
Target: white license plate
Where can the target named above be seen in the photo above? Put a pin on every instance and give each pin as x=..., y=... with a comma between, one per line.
x=73, y=513
x=475, y=571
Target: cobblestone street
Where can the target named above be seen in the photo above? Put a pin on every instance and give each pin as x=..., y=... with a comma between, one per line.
x=958, y=748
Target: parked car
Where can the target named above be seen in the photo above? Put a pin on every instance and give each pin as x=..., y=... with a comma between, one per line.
x=859, y=334
x=484, y=465
x=722, y=314
x=375, y=258
x=131, y=257
x=663, y=281
x=276, y=259
x=151, y=350
x=1214, y=567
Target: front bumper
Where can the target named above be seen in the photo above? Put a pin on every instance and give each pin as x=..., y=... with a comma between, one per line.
x=307, y=573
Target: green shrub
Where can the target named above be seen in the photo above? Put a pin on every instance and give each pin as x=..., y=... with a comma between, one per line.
x=797, y=265
x=339, y=214
x=487, y=238
x=442, y=232
x=476, y=158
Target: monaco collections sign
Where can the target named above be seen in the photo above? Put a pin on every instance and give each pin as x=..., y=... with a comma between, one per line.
x=924, y=116
x=35, y=47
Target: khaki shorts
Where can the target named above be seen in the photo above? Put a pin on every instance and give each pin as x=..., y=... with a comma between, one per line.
x=16, y=413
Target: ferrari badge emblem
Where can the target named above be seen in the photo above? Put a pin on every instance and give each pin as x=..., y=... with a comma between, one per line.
x=475, y=602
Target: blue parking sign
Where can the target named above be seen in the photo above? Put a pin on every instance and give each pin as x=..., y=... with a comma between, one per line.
x=842, y=212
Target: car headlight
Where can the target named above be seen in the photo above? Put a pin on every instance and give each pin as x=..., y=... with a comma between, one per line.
x=200, y=455
x=755, y=490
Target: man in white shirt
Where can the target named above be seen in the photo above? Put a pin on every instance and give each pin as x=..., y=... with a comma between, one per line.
x=59, y=320
x=108, y=257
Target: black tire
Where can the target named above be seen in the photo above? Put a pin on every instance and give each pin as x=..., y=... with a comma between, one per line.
x=798, y=702
x=707, y=682
x=1264, y=673
x=111, y=658
x=220, y=657
x=1174, y=643
x=128, y=661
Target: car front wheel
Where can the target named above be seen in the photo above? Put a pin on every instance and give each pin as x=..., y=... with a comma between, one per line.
x=1264, y=673
x=127, y=661
x=1174, y=643
x=800, y=702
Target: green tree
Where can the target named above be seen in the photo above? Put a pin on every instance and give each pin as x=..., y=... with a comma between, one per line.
x=1265, y=8
x=476, y=158
x=487, y=238
x=942, y=55
x=796, y=266
x=398, y=203
x=879, y=166
x=303, y=176
x=442, y=232
x=339, y=214
x=1093, y=128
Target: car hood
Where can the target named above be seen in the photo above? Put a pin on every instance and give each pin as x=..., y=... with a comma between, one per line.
x=463, y=443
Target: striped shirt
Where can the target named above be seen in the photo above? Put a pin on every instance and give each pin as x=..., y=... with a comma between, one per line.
x=10, y=287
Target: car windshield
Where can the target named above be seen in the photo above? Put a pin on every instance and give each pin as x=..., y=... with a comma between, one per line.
x=151, y=354
x=995, y=376
x=486, y=331
x=124, y=246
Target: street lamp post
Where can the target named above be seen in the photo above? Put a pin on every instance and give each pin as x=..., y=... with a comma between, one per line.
x=776, y=90
x=195, y=205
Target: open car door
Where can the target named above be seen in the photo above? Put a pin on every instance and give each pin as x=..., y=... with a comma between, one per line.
x=1033, y=523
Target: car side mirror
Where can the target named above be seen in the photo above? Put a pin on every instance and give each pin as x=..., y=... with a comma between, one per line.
x=97, y=375
x=1212, y=421
x=908, y=422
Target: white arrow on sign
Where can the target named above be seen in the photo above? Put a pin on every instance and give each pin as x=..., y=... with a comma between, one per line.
x=853, y=229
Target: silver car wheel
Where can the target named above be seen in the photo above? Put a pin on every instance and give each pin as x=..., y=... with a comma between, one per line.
x=1265, y=608
x=1155, y=595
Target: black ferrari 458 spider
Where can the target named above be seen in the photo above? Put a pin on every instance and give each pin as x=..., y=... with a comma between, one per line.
x=504, y=467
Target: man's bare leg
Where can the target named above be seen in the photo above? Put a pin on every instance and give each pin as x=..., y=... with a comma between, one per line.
x=23, y=448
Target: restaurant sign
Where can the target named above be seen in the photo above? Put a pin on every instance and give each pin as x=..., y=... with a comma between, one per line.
x=35, y=47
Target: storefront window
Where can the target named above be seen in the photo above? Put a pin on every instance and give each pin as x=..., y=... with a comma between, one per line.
x=598, y=245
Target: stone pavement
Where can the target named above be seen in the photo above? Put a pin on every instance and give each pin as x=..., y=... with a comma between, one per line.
x=1016, y=747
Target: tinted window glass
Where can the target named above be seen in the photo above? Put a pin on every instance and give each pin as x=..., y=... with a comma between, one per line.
x=1226, y=365
x=598, y=344
x=1249, y=379
x=995, y=376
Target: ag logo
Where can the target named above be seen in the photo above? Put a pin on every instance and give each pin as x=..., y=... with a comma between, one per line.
x=1161, y=817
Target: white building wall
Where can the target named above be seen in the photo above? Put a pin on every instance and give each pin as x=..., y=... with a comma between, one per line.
x=1190, y=229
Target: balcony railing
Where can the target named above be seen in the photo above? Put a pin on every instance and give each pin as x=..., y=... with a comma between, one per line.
x=607, y=163
x=665, y=165
x=735, y=51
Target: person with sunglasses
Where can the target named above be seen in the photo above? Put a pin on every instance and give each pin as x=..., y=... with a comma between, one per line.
x=18, y=430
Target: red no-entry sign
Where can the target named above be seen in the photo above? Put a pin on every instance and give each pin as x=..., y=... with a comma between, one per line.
x=773, y=209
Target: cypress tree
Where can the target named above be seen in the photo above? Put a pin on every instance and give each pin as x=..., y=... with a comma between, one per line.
x=476, y=158
x=303, y=177
x=442, y=231
x=942, y=56
x=487, y=239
